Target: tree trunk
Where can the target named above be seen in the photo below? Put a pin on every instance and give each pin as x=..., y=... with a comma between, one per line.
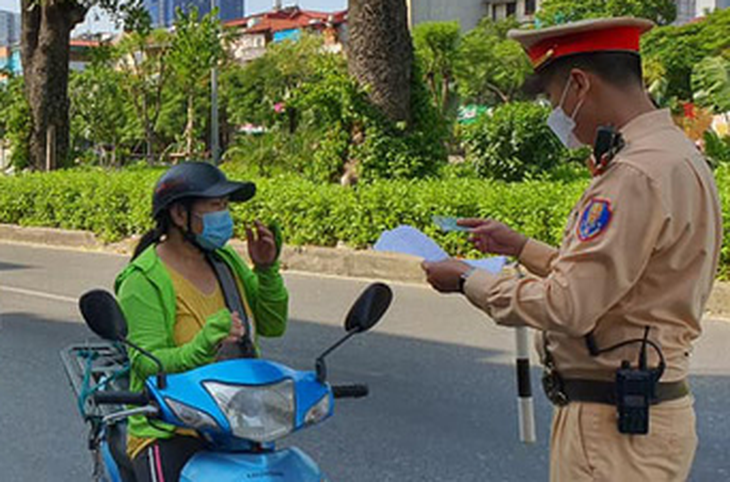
x=431, y=81
x=380, y=53
x=502, y=96
x=45, y=50
x=149, y=133
x=190, y=127
x=445, y=100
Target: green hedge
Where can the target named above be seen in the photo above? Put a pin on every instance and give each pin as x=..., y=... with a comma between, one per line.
x=116, y=205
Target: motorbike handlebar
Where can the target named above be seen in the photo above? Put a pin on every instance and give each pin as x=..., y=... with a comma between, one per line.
x=350, y=391
x=121, y=398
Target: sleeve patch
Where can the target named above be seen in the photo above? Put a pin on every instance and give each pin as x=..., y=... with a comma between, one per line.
x=595, y=219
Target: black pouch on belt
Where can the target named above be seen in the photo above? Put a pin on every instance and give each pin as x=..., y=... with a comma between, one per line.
x=634, y=394
x=243, y=348
x=635, y=387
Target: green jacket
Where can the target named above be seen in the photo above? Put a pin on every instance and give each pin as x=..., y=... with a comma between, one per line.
x=147, y=297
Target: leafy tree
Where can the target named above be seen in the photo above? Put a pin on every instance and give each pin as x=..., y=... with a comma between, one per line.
x=100, y=107
x=46, y=27
x=437, y=45
x=5, y=100
x=244, y=92
x=513, y=142
x=195, y=49
x=260, y=92
x=45, y=51
x=711, y=84
x=717, y=149
x=680, y=48
x=15, y=121
x=279, y=92
x=655, y=79
x=320, y=121
x=551, y=12
x=142, y=58
x=490, y=68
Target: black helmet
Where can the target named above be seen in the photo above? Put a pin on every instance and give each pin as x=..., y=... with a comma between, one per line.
x=197, y=180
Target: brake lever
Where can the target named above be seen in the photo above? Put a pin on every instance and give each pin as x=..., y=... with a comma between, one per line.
x=113, y=418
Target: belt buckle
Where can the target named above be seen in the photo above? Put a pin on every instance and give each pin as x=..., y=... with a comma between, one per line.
x=552, y=385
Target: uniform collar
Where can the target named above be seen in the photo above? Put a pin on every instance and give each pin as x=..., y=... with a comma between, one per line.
x=647, y=123
x=637, y=128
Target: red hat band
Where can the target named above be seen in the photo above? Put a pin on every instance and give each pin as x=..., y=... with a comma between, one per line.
x=613, y=39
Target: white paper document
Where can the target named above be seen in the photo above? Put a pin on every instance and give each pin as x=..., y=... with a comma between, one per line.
x=409, y=240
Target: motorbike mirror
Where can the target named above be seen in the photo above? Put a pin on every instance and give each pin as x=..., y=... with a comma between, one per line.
x=364, y=314
x=369, y=308
x=105, y=318
x=103, y=315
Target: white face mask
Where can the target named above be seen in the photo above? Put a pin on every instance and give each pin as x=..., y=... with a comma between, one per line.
x=562, y=125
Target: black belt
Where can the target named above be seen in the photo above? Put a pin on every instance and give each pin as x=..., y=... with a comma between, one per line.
x=605, y=392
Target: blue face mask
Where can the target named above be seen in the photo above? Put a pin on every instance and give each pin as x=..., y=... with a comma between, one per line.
x=217, y=230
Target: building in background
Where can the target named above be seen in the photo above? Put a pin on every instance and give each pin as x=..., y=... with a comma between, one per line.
x=9, y=28
x=162, y=12
x=258, y=31
x=80, y=57
x=469, y=12
x=522, y=10
x=688, y=10
x=10, y=61
x=81, y=52
x=466, y=12
x=704, y=6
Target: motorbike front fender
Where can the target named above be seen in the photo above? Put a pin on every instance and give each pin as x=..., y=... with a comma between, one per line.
x=288, y=465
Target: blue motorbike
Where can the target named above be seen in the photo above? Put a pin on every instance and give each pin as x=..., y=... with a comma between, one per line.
x=239, y=407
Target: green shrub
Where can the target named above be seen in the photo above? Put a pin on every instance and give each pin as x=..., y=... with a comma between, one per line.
x=513, y=142
x=116, y=204
x=717, y=149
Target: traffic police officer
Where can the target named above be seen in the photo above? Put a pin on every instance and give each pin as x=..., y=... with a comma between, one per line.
x=635, y=267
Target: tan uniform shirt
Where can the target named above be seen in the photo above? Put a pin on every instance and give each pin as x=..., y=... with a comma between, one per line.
x=640, y=248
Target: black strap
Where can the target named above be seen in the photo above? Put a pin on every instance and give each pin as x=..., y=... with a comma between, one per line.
x=594, y=391
x=245, y=348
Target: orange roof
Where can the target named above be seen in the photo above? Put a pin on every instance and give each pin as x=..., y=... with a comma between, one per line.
x=288, y=19
x=84, y=43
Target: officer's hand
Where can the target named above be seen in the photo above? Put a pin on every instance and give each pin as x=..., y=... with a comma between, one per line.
x=492, y=237
x=444, y=276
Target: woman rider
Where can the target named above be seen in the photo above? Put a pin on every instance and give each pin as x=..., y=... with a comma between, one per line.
x=174, y=304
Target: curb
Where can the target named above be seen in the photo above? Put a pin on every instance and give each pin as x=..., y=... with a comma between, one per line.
x=344, y=262
x=54, y=237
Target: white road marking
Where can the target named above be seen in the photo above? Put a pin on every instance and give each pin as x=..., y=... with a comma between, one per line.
x=38, y=294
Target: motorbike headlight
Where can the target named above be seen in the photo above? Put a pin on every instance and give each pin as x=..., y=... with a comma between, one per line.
x=257, y=413
x=319, y=411
x=190, y=416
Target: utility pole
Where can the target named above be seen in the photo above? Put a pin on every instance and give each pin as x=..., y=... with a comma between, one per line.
x=214, y=129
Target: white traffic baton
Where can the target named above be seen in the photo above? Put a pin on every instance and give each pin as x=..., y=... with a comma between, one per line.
x=525, y=406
